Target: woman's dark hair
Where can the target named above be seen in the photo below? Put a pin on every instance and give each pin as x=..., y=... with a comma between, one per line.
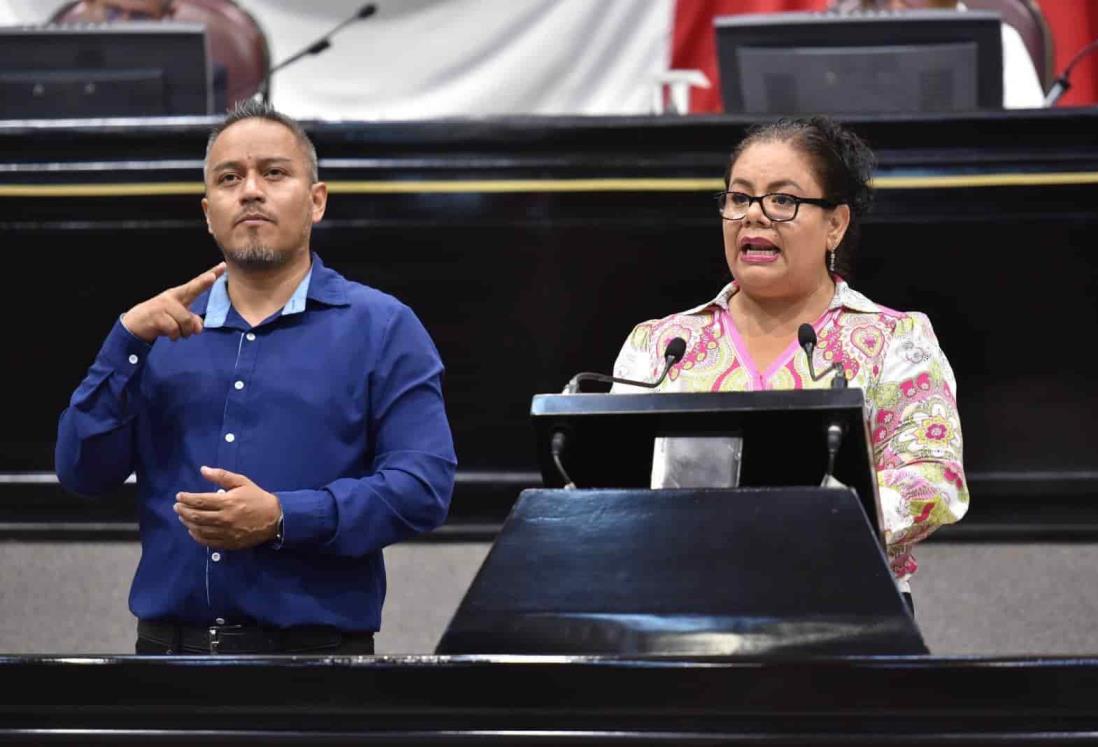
x=842, y=163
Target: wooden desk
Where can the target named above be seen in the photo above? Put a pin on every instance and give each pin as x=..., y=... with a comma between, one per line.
x=546, y=700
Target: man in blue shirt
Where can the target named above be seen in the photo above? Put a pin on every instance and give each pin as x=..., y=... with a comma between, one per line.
x=284, y=423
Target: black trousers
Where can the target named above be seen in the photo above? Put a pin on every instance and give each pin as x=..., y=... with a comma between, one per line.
x=165, y=639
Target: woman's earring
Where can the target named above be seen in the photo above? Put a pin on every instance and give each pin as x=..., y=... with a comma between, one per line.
x=831, y=260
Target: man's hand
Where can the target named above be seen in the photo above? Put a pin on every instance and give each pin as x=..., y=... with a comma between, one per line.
x=243, y=515
x=168, y=314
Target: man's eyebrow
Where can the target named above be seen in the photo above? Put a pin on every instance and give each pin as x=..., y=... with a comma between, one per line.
x=225, y=165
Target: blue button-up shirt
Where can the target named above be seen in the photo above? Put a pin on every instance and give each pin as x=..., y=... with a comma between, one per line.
x=334, y=404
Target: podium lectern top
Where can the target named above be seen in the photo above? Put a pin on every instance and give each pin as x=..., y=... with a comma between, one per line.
x=608, y=438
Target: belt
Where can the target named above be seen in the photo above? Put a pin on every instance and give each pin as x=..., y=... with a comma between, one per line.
x=243, y=639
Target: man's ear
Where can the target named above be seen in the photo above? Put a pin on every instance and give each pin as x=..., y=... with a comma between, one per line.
x=206, y=214
x=319, y=197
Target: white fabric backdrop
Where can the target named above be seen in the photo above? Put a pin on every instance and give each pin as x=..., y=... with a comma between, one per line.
x=416, y=59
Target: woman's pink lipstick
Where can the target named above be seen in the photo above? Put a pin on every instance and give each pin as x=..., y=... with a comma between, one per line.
x=758, y=251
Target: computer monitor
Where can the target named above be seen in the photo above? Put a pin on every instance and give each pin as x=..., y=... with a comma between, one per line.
x=826, y=63
x=104, y=70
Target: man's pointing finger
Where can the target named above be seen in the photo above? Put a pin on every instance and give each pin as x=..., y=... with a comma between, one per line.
x=194, y=287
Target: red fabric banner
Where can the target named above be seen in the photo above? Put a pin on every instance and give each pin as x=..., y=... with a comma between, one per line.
x=1073, y=23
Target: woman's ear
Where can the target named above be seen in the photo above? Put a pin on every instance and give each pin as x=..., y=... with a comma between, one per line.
x=837, y=224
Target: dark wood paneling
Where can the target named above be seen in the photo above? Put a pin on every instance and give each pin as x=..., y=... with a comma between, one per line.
x=520, y=289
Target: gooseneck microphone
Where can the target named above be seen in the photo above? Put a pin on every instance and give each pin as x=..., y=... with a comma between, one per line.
x=316, y=47
x=834, y=441
x=672, y=354
x=1061, y=85
x=556, y=450
x=806, y=338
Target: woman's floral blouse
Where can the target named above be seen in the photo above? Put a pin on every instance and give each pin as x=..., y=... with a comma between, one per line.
x=893, y=356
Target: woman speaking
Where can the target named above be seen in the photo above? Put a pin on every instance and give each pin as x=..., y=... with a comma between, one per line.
x=794, y=193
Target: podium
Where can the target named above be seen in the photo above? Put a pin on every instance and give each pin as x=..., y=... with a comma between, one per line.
x=608, y=437
x=775, y=567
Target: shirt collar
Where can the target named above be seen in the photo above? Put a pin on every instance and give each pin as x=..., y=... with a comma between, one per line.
x=845, y=297
x=319, y=284
x=217, y=305
x=848, y=298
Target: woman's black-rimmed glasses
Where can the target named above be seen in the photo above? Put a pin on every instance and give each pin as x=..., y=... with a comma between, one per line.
x=777, y=206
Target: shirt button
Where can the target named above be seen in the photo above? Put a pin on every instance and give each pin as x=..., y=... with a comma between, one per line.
x=250, y=336
x=230, y=437
x=215, y=557
x=238, y=385
x=220, y=621
x=133, y=359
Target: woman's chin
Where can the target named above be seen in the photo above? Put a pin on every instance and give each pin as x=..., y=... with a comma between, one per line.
x=762, y=282
x=759, y=272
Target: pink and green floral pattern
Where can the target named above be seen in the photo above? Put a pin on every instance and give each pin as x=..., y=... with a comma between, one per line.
x=893, y=356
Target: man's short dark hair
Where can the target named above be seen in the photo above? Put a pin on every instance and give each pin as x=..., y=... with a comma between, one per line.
x=256, y=109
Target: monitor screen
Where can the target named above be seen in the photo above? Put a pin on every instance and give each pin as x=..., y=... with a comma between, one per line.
x=809, y=63
x=104, y=70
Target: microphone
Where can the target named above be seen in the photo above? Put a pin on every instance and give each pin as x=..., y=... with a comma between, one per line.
x=556, y=450
x=834, y=441
x=806, y=338
x=1061, y=85
x=672, y=354
x=316, y=47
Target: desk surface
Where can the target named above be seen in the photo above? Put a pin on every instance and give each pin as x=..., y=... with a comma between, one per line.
x=530, y=699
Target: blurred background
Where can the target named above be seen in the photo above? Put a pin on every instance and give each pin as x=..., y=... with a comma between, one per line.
x=423, y=59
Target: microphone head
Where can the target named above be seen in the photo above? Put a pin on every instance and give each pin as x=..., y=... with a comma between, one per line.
x=366, y=11
x=806, y=336
x=675, y=350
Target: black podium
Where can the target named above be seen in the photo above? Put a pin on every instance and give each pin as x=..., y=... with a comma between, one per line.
x=776, y=567
x=607, y=438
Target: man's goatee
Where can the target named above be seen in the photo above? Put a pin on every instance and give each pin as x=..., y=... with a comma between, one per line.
x=256, y=256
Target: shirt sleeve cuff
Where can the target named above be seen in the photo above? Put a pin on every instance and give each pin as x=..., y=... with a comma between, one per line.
x=309, y=517
x=122, y=350
x=894, y=513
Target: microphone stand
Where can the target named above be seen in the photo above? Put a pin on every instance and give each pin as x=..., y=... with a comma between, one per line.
x=315, y=48
x=672, y=354
x=1061, y=85
x=806, y=338
x=838, y=382
x=834, y=441
x=573, y=385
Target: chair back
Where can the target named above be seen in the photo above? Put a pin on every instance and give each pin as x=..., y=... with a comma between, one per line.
x=1027, y=18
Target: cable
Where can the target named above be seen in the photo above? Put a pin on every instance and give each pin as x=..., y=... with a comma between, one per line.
x=1063, y=83
x=834, y=441
x=556, y=446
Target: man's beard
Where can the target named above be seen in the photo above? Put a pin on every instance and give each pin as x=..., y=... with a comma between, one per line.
x=255, y=256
